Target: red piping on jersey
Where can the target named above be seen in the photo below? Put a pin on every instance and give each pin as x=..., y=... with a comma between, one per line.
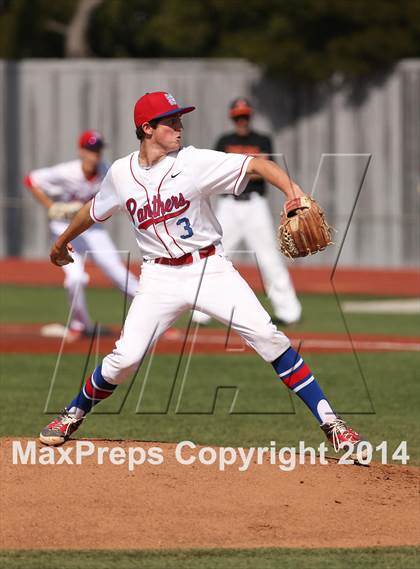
x=164, y=220
x=92, y=210
x=237, y=179
x=148, y=201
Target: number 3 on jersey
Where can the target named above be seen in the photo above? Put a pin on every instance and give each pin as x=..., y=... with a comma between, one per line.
x=186, y=226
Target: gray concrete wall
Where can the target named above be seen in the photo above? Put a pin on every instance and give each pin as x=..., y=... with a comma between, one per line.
x=325, y=135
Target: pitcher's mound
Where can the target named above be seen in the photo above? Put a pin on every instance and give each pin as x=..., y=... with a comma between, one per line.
x=170, y=505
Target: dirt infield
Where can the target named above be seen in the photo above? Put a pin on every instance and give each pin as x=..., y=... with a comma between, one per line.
x=388, y=282
x=176, y=506
x=27, y=338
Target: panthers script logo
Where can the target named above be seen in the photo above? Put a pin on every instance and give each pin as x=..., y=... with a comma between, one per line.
x=156, y=211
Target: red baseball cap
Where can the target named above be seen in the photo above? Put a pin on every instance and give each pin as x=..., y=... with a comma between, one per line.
x=157, y=105
x=240, y=107
x=91, y=140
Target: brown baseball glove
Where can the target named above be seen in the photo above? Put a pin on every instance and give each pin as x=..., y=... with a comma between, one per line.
x=303, y=228
x=64, y=211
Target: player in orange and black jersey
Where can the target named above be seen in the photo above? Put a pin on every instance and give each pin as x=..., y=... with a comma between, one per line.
x=244, y=140
x=248, y=217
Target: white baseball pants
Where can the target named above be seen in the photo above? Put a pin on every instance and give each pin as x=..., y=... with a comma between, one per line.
x=215, y=287
x=94, y=244
x=252, y=221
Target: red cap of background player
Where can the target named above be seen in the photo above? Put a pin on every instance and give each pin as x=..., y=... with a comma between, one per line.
x=157, y=105
x=240, y=107
x=91, y=140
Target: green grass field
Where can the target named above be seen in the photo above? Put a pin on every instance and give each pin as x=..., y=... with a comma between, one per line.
x=264, y=409
x=383, y=404
x=320, y=312
x=374, y=558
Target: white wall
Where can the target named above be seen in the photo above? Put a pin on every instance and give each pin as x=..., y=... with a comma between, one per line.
x=46, y=103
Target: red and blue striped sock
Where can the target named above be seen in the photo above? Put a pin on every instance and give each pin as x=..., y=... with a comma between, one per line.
x=294, y=373
x=95, y=389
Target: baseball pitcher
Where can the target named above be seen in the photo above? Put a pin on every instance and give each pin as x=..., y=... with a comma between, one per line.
x=164, y=189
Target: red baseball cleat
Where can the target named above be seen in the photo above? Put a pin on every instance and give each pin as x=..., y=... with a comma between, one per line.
x=60, y=429
x=343, y=437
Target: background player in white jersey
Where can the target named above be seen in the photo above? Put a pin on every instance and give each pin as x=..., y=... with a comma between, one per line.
x=247, y=217
x=165, y=191
x=63, y=189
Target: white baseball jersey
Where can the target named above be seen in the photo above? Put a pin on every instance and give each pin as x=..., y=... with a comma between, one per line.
x=169, y=203
x=66, y=182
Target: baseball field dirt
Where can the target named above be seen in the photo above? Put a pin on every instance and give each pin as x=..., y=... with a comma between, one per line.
x=174, y=506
